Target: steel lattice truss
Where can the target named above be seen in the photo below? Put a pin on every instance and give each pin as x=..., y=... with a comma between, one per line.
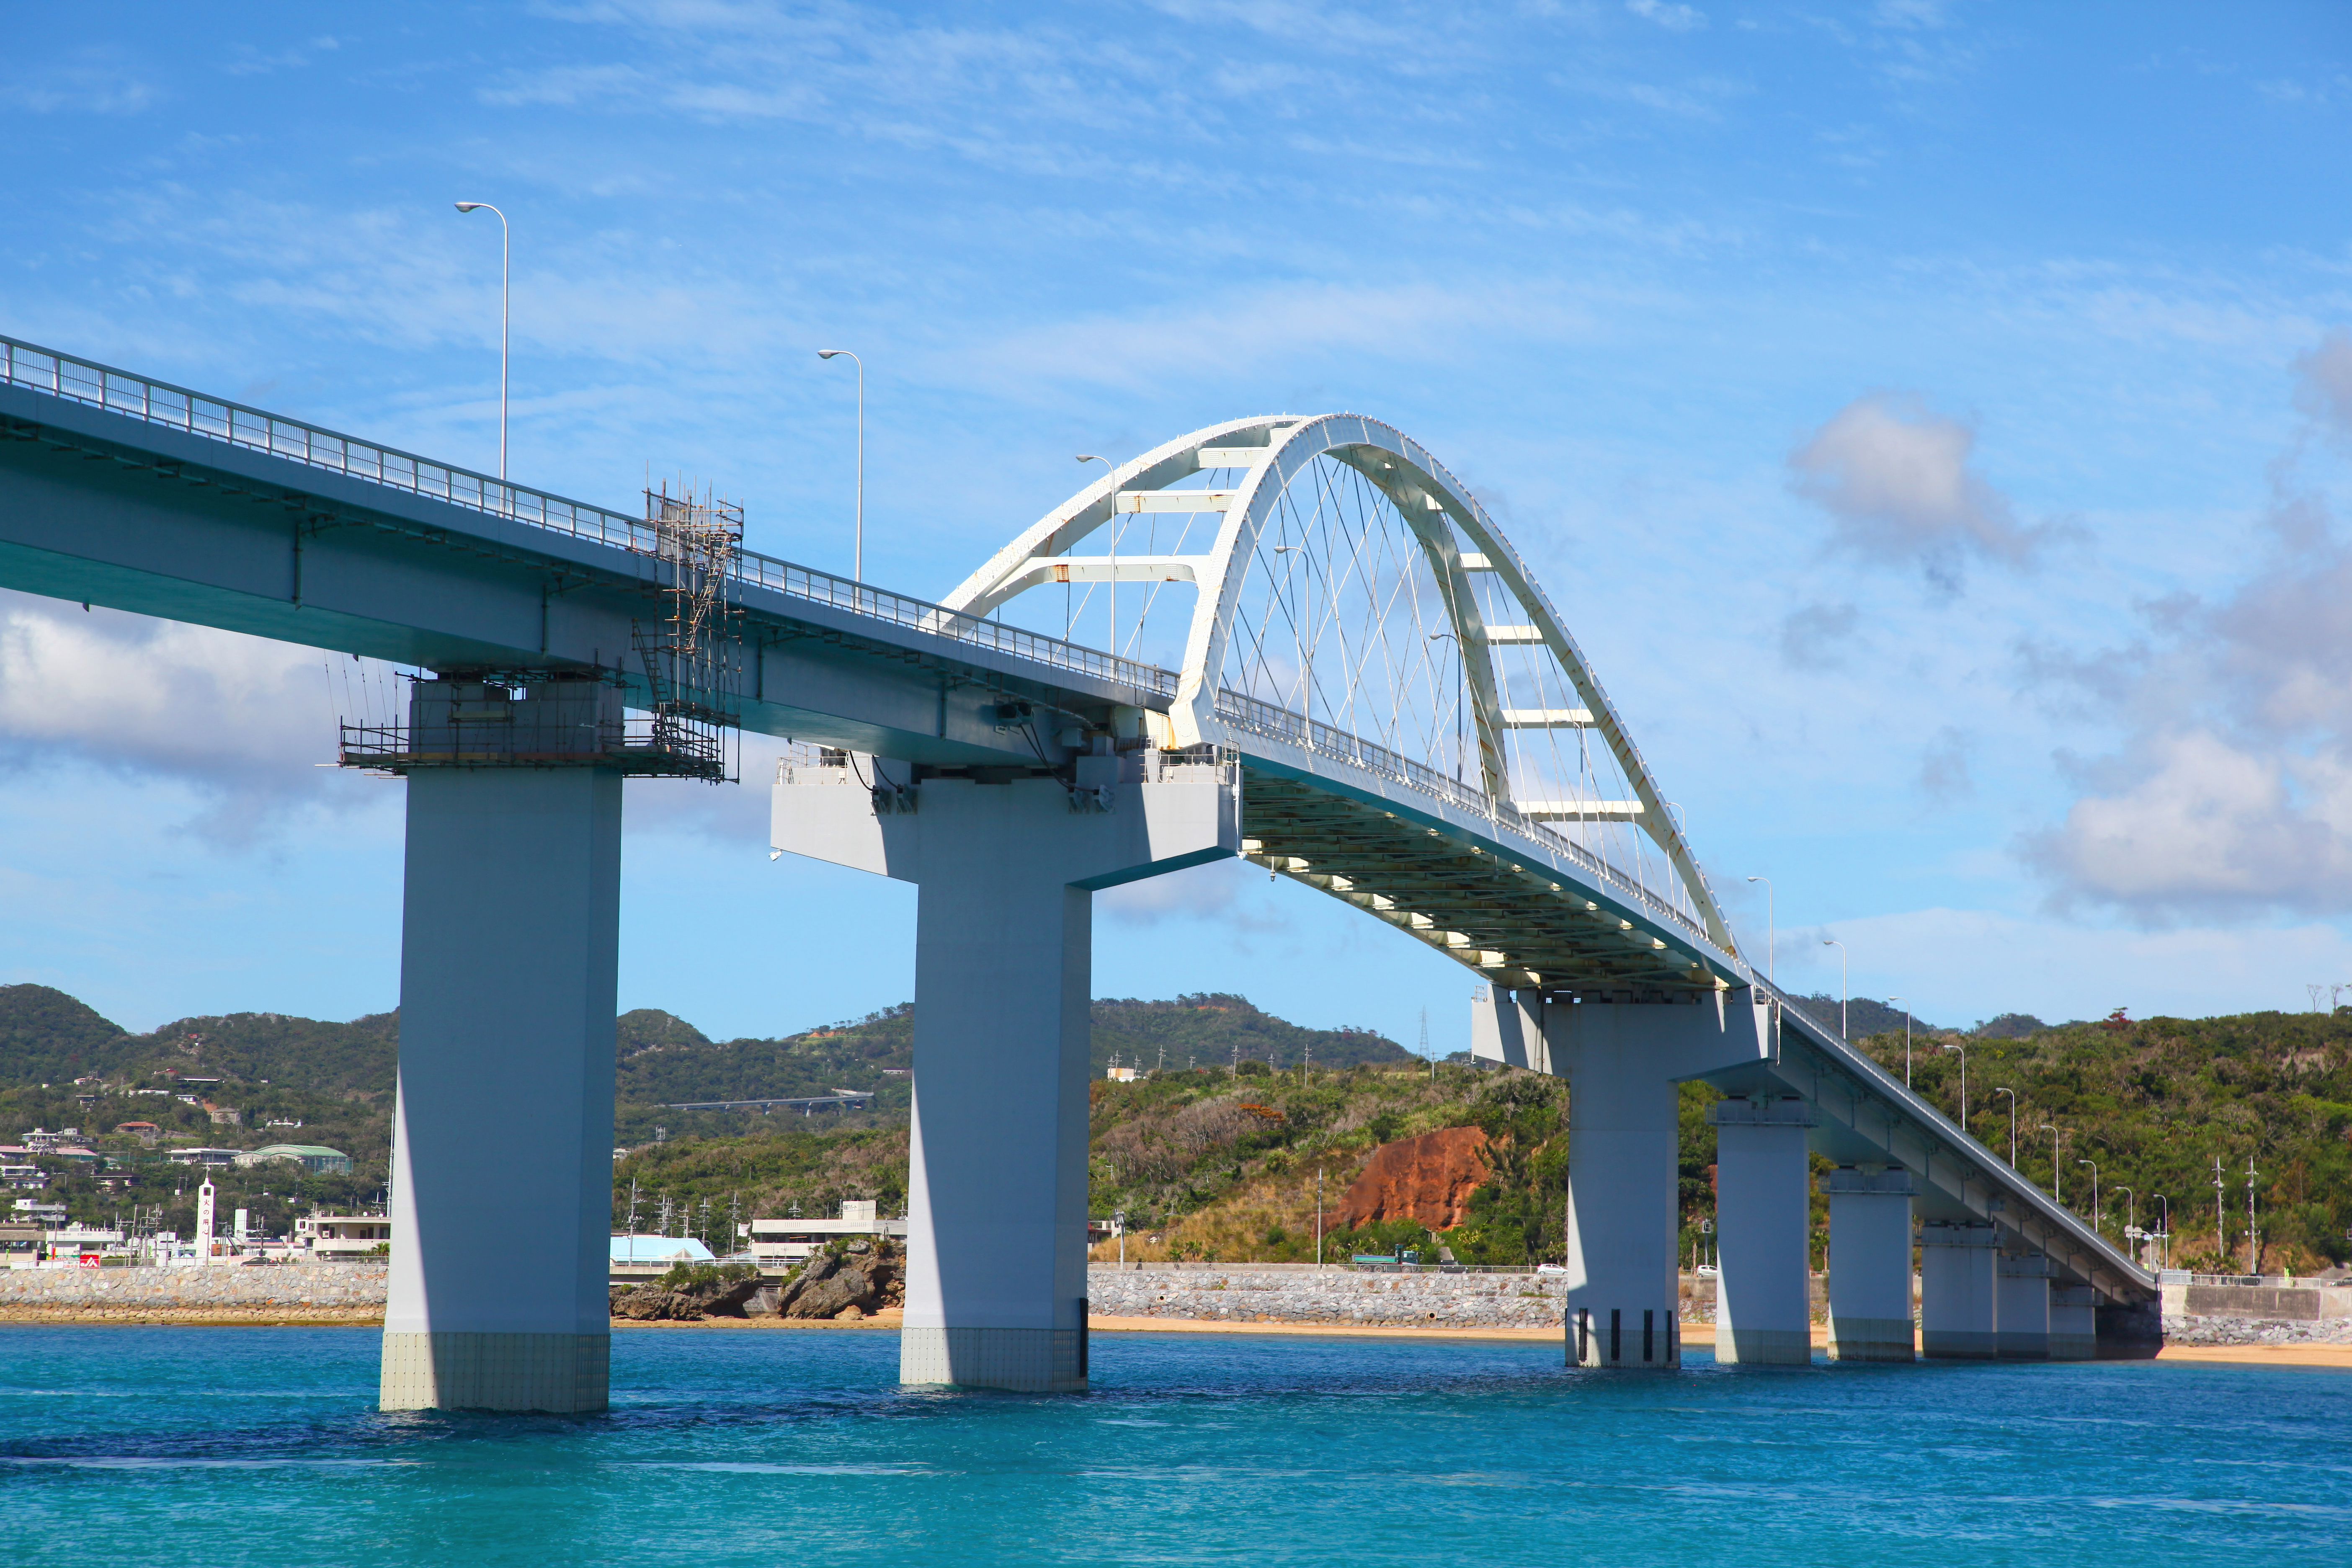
x=1355, y=614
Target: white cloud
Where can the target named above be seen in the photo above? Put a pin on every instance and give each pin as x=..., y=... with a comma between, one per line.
x=2325, y=382
x=1675, y=18
x=1896, y=479
x=2232, y=793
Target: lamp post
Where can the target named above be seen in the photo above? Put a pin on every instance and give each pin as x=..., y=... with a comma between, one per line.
x=1770, y=935
x=1844, y=982
x=2164, y=1246
x=857, y=556
x=1907, y=1042
x=1118, y=1224
x=2131, y=1212
x=1964, y=1082
x=2054, y=1192
x=2094, y=1192
x=1113, y=467
x=1461, y=674
x=506, y=300
x=2012, y=1125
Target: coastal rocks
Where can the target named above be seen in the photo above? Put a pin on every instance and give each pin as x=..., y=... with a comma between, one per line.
x=1428, y=1179
x=846, y=1285
x=2183, y=1330
x=660, y=1301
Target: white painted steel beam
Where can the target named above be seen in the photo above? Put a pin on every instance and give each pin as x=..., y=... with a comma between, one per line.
x=1547, y=717
x=1175, y=500
x=1507, y=634
x=1579, y=810
x=1233, y=456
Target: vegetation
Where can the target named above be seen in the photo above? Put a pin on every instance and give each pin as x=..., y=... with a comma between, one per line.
x=1217, y=1156
x=2153, y=1104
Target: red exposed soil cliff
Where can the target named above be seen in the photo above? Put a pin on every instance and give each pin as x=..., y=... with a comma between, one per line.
x=1429, y=1179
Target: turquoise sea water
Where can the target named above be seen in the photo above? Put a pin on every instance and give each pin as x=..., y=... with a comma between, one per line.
x=259, y=1445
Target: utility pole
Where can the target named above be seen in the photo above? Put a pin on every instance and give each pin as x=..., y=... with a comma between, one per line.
x=2221, y=1235
x=2253, y=1238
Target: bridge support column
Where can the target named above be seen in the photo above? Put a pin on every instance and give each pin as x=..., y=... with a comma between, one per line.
x=2022, y=1311
x=502, y=1135
x=1622, y=1061
x=2074, y=1323
x=996, y=1232
x=1958, y=1312
x=1763, y=1310
x=1870, y=1263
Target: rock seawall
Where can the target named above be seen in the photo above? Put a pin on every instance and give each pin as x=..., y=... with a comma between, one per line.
x=292, y=1292
x=1260, y=1293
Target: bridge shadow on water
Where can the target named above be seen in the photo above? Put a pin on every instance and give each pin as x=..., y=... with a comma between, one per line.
x=236, y=1445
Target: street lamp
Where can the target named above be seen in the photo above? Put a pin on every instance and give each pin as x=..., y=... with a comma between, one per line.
x=1105, y=462
x=2164, y=1232
x=1844, y=983
x=857, y=557
x=1964, y=1082
x=2094, y=1192
x=506, y=300
x=1461, y=674
x=2131, y=1212
x=1769, y=934
x=2054, y=1192
x=1907, y=1043
x=2012, y=1125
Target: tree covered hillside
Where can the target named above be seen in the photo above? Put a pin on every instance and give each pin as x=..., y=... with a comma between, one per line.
x=2153, y=1103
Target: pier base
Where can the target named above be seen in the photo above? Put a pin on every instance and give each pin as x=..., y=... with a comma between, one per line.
x=1959, y=1313
x=502, y=1132
x=2022, y=1330
x=1763, y=1308
x=1624, y=1061
x=1870, y=1263
x=996, y=1210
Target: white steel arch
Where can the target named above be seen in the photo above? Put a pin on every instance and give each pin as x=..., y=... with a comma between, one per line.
x=1328, y=557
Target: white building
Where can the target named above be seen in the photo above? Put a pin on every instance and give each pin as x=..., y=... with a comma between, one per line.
x=781, y=1243
x=332, y=1236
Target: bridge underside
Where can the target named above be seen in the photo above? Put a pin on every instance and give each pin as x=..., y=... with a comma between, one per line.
x=1512, y=922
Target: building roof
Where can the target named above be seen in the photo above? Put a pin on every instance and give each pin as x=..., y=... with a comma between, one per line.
x=303, y=1151
x=660, y=1249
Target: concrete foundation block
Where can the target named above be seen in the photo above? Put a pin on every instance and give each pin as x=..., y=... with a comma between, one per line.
x=563, y=1374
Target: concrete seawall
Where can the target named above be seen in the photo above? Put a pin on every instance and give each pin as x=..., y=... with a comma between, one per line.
x=284, y=1293
x=1301, y=1293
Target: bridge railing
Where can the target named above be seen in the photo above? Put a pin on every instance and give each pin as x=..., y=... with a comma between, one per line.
x=1313, y=735
x=37, y=369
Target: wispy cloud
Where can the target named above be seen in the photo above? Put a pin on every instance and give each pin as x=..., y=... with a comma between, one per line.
x=1897, y=481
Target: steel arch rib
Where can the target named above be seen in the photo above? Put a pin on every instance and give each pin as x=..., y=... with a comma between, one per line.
x=1409, y=478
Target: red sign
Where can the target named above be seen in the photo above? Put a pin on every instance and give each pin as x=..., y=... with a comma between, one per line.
x=89, y=1260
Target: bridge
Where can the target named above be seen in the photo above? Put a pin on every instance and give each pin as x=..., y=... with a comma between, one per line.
x=1327, y=658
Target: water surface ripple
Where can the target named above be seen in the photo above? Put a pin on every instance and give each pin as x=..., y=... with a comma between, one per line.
x=227, y=1446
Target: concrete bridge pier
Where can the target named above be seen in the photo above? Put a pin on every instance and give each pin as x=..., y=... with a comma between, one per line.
x=2022, y=1311
x=503, y=1132
x=2074, y=1323
x=1959, y=1310
x=1624, y=1061
x=1870, y=1263
x=1763, y=1311
x=996, y=1271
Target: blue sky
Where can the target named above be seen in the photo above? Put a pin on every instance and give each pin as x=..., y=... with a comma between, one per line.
x=1932, y=419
